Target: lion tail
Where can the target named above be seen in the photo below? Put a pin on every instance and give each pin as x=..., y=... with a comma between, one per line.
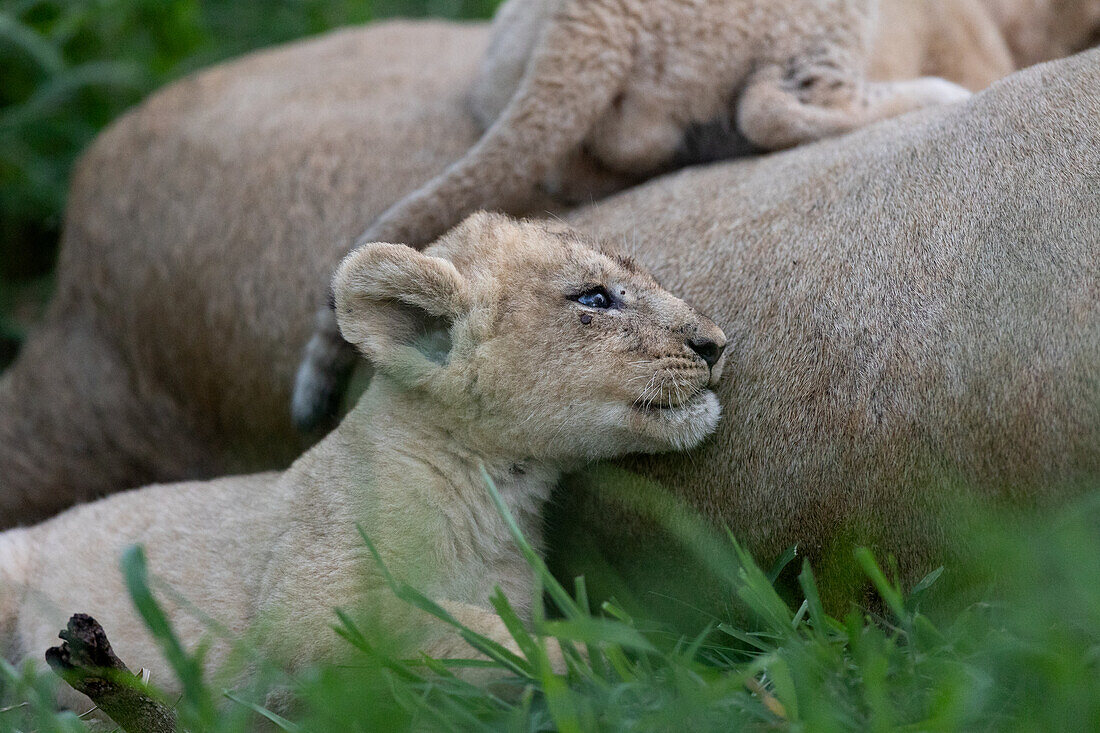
x=323, y=375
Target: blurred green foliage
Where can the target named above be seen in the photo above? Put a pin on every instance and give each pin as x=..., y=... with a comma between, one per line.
x=1015, y=646
x=68, y=67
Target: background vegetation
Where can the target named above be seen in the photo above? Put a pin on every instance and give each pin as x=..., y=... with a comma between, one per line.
x=68, y=67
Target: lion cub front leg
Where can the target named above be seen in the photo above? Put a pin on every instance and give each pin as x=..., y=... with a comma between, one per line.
x=825, y=95
x=572, y=77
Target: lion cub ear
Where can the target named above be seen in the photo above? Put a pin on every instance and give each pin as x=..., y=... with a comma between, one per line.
x=397, y=306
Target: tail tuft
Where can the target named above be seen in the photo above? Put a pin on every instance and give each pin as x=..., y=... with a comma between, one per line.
x=322, y=377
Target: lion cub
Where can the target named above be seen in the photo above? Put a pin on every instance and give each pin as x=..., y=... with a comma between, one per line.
x=510, y=346
x=626, y=81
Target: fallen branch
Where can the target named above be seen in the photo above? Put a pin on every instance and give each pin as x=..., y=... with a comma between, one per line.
x=87, y=663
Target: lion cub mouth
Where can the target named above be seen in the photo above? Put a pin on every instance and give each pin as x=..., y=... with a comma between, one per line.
x=657, y=407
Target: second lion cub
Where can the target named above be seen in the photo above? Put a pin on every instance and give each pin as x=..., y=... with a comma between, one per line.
x=510, y=346
x=626, y=79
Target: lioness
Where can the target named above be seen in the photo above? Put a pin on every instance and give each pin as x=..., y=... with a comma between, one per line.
x=510, y=347
x=625, y=80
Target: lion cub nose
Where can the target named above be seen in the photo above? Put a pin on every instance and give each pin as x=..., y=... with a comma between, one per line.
x=707, y=348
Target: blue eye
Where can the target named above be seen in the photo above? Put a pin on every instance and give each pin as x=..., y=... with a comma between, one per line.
x=596, y=297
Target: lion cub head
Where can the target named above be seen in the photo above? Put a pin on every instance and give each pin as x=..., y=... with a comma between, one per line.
x=524, y=340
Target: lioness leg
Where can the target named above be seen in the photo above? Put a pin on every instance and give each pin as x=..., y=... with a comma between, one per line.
x=75, y=423
x=781, y=108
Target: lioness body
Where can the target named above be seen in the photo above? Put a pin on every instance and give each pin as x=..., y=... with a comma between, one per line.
x=406, y=465
x=116, y=389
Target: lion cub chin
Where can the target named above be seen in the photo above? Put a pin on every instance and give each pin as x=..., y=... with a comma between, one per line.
x=511, y=347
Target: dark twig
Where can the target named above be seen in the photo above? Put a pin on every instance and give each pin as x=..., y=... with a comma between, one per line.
x=87, y=663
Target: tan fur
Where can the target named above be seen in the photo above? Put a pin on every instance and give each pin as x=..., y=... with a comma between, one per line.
x=624, y=81
x=484, y=358
x=976, y=42
x=958, y=40
x=780, y=248
x=139, y=395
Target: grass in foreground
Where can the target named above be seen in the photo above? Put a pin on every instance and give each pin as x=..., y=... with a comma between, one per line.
x=1027, y=657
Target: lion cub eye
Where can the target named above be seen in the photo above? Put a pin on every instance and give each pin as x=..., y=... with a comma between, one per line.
x=596, y=297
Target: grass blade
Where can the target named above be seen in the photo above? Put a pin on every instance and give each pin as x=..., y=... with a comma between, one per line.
x=885, y=588
x=280, y=722
x=558, y=593
x=780, y=565
x=480, y=642
x=187, y=668
x=31, y=44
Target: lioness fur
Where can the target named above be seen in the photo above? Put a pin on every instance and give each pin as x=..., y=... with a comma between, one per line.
x=1042, y=30
x=512, y=348
x=625, y=80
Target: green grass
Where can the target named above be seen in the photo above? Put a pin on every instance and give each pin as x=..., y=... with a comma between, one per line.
x=1020, y=653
